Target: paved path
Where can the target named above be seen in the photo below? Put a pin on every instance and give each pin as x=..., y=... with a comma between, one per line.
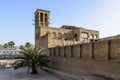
x=20, y=74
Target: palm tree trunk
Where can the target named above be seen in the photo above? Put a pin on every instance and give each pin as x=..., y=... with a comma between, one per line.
x=34, y=70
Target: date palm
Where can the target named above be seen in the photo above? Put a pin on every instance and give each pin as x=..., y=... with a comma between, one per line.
x=31, y=57
x=21, y=47
x=1, y=46
x=5, y=45
x=11, y=44
x=28, y=45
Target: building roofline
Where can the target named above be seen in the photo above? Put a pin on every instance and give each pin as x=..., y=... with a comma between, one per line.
x=41, y=10
x=75, y=27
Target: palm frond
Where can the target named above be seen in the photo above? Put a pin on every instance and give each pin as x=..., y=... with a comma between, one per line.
x=21, y=63
x=18, y=64
x=31, y=57
x=27, y=53
x=22, y=57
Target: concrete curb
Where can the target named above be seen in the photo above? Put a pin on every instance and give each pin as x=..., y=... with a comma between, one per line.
x=64, y=75
x=69, y=76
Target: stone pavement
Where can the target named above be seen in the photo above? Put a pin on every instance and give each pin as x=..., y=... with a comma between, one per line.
x=21, y=74
x=69, y=76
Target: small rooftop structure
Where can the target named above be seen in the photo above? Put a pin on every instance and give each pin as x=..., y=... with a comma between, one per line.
x=69, y=27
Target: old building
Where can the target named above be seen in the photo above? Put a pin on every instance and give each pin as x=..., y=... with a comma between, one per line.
x=46, y=36
x=71, y=50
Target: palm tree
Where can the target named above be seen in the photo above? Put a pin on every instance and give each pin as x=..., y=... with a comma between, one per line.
x=5, y=45
x=0, y=45
x=28, y=45
x=11, y=44
x=31, y=57
x=21, y=47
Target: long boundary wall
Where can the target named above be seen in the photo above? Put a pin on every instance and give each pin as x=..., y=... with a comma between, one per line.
x=100, y=57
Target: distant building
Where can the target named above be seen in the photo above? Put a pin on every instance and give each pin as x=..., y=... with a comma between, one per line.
x=46, y=36
x=9, y=53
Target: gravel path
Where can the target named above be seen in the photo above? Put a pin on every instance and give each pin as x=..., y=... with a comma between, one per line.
x=20, y=74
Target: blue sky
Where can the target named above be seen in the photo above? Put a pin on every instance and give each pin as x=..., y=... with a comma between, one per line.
x=16, y=17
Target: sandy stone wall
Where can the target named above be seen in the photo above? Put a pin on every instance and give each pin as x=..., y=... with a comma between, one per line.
x=68, y=51
x=115, y=49
x=76, y=51
x=61, y=52
x=100, y=57
x=101, y=50
x=87, y=51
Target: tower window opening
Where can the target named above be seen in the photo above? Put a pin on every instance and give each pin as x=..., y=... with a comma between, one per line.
x=46, y=17
x=41, y=16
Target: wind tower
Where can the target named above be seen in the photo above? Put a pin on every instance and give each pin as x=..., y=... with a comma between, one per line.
x=41, y=22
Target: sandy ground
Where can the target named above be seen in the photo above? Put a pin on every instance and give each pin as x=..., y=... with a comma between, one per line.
x=20, y=74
